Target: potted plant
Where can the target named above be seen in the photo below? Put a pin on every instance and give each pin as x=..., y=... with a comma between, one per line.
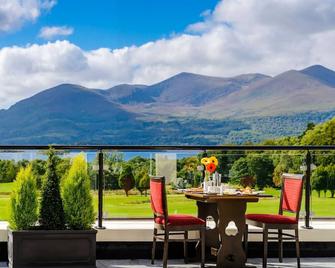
x=63, y=236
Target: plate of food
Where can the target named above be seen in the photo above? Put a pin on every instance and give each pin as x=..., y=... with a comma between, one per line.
x=194, y=190
x=248, y=191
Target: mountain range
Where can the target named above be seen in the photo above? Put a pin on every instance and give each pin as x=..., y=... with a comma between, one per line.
x=184, y=109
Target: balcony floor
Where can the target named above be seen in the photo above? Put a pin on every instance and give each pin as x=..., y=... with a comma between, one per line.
x=272, y=263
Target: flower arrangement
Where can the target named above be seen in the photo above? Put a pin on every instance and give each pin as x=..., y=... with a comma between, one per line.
x=210, y=164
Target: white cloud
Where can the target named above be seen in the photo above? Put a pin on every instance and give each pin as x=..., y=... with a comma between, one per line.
x=54, y=32
x=14, y=13
x=239, y=36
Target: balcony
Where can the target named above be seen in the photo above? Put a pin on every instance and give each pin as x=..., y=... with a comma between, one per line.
x=125, y=223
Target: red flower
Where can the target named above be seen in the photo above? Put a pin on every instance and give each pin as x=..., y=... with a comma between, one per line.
x=211, y=167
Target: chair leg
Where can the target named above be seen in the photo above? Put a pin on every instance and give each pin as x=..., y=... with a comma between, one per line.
x=280, y=244
x=245, y=240
x=265, y=242
x=166, y=248
x=203, y=245
x=153, y=247
x=185, y=246
x=297, y=246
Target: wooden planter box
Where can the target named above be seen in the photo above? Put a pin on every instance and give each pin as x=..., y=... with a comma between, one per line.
x=66, y=249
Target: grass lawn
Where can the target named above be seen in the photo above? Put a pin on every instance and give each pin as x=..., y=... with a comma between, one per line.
x=120, y=206
x=6, y=188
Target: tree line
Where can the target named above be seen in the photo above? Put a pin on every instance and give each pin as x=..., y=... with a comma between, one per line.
x=260, y=168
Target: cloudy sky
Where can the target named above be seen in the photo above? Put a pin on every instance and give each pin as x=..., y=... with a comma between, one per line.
x=106, y=42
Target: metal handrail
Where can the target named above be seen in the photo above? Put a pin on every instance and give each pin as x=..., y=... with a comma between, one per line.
x=173, y=147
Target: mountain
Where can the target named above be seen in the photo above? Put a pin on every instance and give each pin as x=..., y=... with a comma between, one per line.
x=61, y=114
x=287, y=93
x=184, y=109
x=121, y=91
x=190, y=89
x=321, y=73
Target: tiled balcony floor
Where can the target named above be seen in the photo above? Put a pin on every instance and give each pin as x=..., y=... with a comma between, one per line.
x=272, y=263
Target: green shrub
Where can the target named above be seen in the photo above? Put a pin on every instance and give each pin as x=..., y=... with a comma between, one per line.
x=144, y=183
x=126, y=179
x=7, y=171
x=78, y=204
x=24, y=201
x=51, y=211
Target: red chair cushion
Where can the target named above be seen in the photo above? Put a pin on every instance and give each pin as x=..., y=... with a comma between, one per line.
x=180, y=220
x=273, y=219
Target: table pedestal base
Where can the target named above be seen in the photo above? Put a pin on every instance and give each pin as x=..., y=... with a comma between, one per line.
x=210, y=210
x=230, y=253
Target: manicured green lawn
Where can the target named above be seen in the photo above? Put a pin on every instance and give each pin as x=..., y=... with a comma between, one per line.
x=136, y=206
x=6, y=187
x=139, y=206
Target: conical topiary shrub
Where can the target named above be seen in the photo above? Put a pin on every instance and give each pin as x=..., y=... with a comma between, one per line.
x=24, y=201
x=78, y=205
x=126, y=179
x=51, y=210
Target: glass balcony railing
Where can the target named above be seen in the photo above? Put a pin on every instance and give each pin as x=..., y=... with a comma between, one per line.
x=121, y=194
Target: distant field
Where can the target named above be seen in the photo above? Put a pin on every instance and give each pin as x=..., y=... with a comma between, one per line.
x=134, y=206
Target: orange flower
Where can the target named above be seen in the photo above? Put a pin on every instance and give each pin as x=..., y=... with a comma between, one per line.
x=211, y=167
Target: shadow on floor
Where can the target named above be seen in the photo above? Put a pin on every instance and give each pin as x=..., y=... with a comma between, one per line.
x=272, y=263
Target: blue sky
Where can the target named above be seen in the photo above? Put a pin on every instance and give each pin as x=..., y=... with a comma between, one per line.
x=113, y=23
x=102, y=43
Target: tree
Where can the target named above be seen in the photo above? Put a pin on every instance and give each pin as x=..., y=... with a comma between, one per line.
x=322, y=134
x=261, y=168
x=240, y=169
x=331, y=179
x=126, y=179
x=51, y=210
x=226, y=160
x=319, y=180
x=310, y=126
x=39, y=169
x=7, y=171
x=114, y=162
x=24, y=201
x=277, y=174
x=23, y=163
x=144, y=183
x=285, y=163
x=140, y=168
x=78, y=203
x=111, y=180
x=187, y=169
x=62, y=166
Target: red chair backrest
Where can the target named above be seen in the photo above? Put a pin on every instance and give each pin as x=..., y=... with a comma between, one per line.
x=291, y=193
x=158, y=196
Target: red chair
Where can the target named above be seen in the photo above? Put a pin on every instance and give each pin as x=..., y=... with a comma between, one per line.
x=290, y=201
x=172, y=224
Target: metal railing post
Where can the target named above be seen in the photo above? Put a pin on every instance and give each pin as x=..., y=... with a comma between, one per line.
x=100, y=189
x=204, y=154
x=308, y=191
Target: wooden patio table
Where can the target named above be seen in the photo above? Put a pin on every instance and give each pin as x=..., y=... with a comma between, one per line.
x=224, y=209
